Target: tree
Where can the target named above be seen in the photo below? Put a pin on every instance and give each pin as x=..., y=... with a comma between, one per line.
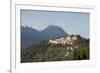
x=43, y=45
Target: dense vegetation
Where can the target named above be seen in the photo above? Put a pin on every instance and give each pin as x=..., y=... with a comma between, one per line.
x=55, y=52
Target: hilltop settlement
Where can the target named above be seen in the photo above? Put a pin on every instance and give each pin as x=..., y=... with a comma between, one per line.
x=70, y=47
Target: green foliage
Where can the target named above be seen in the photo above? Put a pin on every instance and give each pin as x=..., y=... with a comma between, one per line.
x=55, y=52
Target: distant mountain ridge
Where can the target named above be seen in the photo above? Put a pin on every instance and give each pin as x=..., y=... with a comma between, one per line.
x=30, y=36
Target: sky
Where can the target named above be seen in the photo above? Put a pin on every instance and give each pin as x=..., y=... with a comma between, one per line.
x=72, y=22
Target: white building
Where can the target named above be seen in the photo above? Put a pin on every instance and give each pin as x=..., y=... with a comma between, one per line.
x=53, y=41
x=65, y=40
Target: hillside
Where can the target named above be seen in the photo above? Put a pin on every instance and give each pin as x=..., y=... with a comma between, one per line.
x=71, y=47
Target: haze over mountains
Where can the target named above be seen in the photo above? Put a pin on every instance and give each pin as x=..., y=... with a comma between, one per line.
x=30, y=36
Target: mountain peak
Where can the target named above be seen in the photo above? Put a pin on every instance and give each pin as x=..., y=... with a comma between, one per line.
x=53, y=27
x=55, y=31
x=31, y=36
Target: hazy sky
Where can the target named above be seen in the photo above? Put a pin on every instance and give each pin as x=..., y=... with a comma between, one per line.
x=71, y=22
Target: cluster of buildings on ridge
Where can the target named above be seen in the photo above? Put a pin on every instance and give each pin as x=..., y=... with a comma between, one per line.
x=70, y=40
